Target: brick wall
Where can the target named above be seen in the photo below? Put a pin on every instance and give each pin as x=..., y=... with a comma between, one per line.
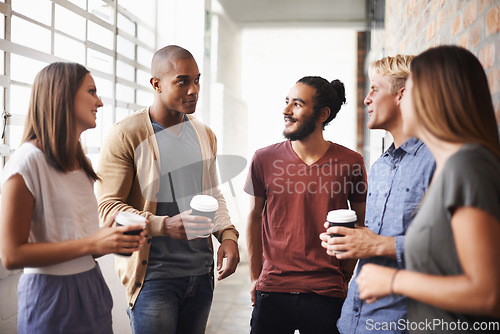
x=412, y=26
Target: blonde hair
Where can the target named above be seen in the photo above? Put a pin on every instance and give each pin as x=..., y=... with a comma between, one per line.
x=396, y=69
x=51, y=118
x=452, y=99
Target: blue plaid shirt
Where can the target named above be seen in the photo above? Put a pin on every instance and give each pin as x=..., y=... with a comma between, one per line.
x=396, y=184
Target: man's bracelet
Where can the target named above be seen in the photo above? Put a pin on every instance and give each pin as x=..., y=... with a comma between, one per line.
x=392, y=280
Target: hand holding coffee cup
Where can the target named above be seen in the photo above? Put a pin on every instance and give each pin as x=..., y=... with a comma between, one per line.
x=342, y=218
x=130, y=219
x=206, y=206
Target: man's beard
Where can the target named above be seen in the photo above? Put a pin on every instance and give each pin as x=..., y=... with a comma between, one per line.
x=307, y=127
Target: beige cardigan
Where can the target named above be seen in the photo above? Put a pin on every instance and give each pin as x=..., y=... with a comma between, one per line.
x=129, y=171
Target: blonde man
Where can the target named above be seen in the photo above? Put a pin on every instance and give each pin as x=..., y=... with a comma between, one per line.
x=396, y=183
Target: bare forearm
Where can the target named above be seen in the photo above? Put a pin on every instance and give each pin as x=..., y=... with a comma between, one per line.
x=452, y=293
x=15, y=224
x=254, y=242
x=375, y=245
x=255, y=268
x=45, y=254
x=475, y=291
x=254, y=236
x=360, y=243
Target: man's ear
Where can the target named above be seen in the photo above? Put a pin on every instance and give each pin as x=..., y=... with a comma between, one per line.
x=400, y=94
x=155, y=82
x=324, y=114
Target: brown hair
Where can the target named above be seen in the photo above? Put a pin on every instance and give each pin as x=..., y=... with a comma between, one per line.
x=51, y=118
x=396, y=69
x=452, y=99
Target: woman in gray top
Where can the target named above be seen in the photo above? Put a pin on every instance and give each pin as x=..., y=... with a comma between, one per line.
x=452, y=248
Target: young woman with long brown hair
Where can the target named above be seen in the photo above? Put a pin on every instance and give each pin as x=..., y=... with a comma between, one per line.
x=49, y=223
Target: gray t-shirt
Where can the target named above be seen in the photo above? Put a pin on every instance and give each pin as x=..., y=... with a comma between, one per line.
x=471, y=177
x=181, y=170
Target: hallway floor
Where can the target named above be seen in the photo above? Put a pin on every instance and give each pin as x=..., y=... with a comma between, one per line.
x=231, y=307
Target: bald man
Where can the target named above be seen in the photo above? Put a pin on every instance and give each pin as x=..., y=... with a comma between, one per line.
x=152, y=163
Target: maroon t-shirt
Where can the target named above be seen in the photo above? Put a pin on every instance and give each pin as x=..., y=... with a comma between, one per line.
x=298, y=198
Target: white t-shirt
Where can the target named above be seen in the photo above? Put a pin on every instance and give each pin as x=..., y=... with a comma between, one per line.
x=65, y=204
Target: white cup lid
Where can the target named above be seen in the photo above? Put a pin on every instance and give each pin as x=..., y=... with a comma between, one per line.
x=204, y=203
x=341, y=215
x=128, y=218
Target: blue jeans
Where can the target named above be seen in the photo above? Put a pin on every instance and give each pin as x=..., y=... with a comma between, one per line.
x=283, y=313
x=173, y=305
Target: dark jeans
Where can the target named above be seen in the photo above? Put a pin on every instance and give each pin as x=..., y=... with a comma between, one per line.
x=173, y=306
x=283, y=313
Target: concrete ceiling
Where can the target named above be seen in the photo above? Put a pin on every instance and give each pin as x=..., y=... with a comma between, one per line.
x=342, y=13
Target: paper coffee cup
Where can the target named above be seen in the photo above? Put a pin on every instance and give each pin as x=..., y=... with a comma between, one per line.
x=204, y=205
x=343, y=218
x=130, y=219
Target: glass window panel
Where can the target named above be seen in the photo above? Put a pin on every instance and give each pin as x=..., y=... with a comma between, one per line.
x=93, y=137
x=104, y=111
x=3, y=107
x=88, y=138
x=100, y=35
x=80, y=3
x=94, y=159
x=125, y=47
x=121, y=113
x=143, y=78
x=41, y=12
x=144, y=98
x=2, y=91
x=30, y=34
x=2, y=63
x=125, y=71
x=102, y=10
x=2, y=54
x=124, y=93
x=145, y=35
x=99, y=61
x=25, y=69
x=104, y=87
x=144, y=56
x=145, y=9
x=126, y=25
x=69, y=49
x=107, y=119
x=19, y=99
x=70, y=23
x=2, y=26
x=15, y=136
